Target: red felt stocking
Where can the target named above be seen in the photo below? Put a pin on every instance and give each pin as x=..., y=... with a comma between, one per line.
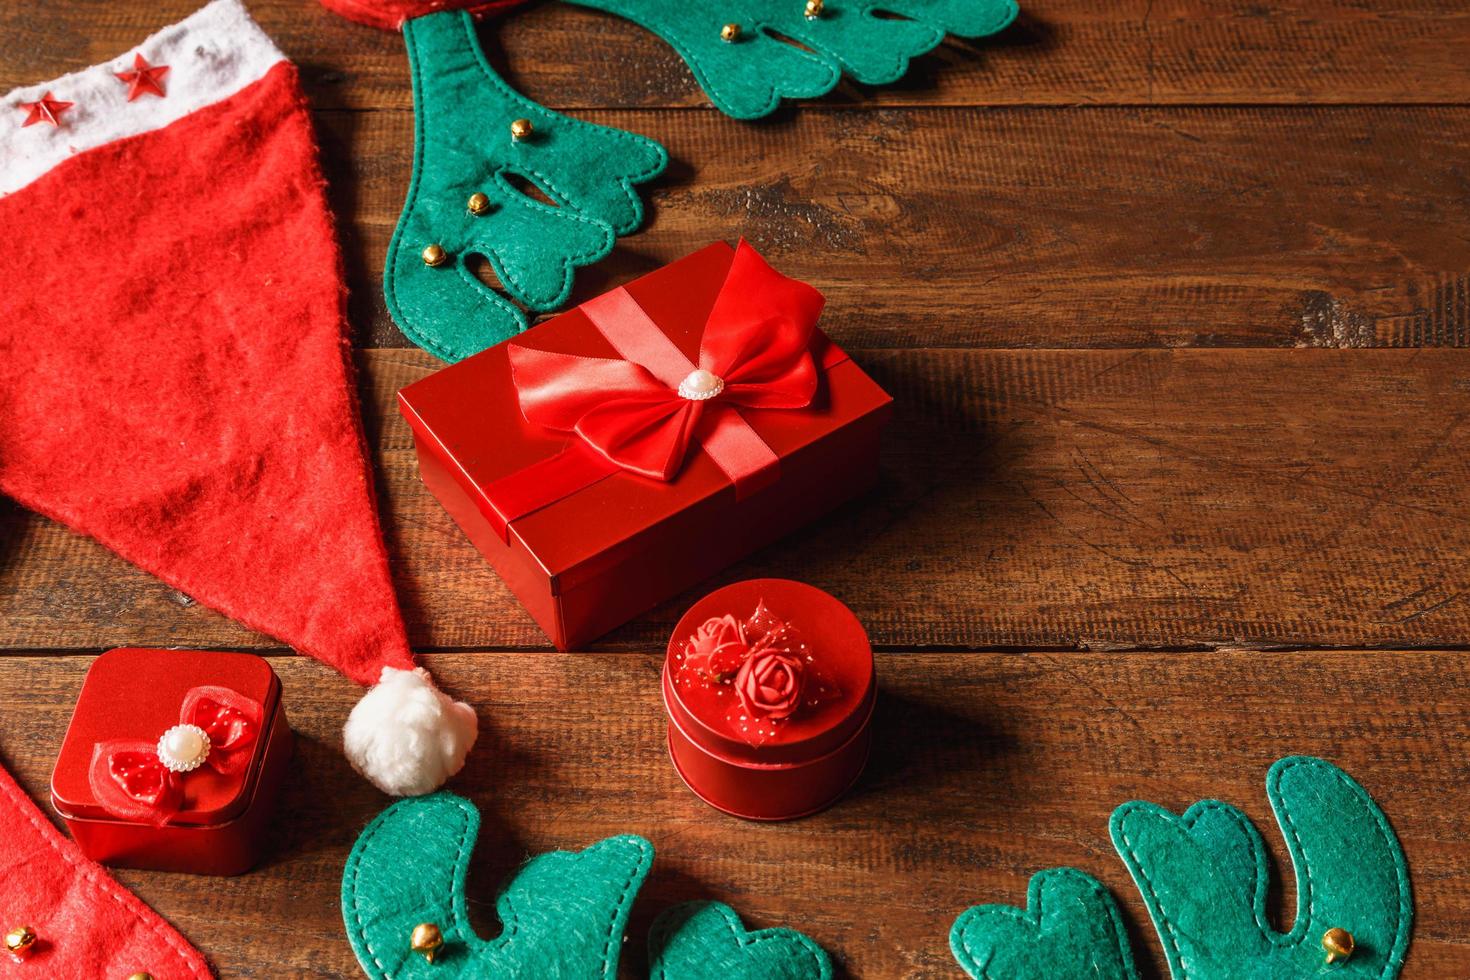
x=174, y=372
x=86, y=926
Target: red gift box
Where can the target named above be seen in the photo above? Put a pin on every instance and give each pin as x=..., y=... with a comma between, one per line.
x=585, y=541
x=119, y=800
x=725, y=743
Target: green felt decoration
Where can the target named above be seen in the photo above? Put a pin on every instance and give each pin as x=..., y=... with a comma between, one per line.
x=463, y=144
x=749, y=76
x=1204, y=877
x=563, y=913
x=1070, y=929
x=707, y=941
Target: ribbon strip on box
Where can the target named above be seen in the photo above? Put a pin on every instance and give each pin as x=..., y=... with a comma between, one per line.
x=144, y=781
x=642, y=413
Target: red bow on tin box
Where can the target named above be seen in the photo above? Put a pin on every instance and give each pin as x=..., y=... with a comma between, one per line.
x=144, y=781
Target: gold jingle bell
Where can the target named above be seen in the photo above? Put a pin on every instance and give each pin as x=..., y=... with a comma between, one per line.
x=521, y=129
x=478, y=203
x=20, y=942
x=426, y=940
x=140, y=975
x=1338, y=943
x=435, y=255
x=730, y=33
x=813, y=9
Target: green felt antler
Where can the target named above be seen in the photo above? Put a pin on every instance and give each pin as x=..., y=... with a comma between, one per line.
x=563, y=913
x=747, y=75
x=463, y=145
x=707, y=941
x=1070, y=929
x=1204, y=877
x=465, y=150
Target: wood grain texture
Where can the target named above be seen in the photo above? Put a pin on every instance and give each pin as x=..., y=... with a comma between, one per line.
x=1116, y=227
x=1122, y=267
x=1060, y=52
x=1096, y=499
x=986, y=769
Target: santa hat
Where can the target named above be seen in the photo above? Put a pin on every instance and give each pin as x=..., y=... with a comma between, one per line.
x=175, y=378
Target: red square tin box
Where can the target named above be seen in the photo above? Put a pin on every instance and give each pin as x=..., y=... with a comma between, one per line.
x=173, y=760
x=624, y=491
x=769, y=689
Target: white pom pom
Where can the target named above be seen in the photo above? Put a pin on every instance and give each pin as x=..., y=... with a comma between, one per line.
x=406, y=736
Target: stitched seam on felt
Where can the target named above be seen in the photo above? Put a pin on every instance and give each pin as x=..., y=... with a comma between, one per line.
x=901, y=60
x=608, y=968
x=746, y=939
x=104, y=884
x=626, y=183
x=571, y=263
x=368, y=835
x=777, y=934
x=1240, y=819
x=819, y=55
x=1168, y=927
x=500, y=83
x=484, y=295
x=512, y=923
x=1092, y=884
x=703, y=78
x=777, y=94
x=1400, y=871
x=1277, y=939
x=390, y=273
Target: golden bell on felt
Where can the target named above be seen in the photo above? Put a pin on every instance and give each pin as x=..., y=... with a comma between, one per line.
x=1338, y=943
x=426, y=940
x=435, y=255
x=20, y=942
x=478, y=203
x=730, y=32
x=140, y=976
x=813, y=9
x=521, y=128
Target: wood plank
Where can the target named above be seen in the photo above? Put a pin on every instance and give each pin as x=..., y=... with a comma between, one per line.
x=987, y=768
x=1095, y=499
x=1035, y=228
x=1061, y=52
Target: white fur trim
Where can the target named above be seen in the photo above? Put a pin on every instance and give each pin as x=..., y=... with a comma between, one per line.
x=406, y=736
x=211, y=54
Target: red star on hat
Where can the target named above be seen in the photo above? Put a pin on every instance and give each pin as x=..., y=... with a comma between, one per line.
x=46, y=109
x=144, y=78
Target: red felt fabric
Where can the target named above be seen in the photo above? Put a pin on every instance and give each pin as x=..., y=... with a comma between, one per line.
x=88, y=927
x=390, y=14
x=175, y=378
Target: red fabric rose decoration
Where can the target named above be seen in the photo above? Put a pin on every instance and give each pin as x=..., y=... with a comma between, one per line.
x=774, y=674
x=769, y=684
x=718, y=648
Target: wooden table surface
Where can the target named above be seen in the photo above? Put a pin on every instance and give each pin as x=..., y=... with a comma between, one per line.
x=1171, y=296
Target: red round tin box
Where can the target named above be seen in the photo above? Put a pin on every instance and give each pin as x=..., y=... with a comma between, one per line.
x=731, y=737
x=207, y=821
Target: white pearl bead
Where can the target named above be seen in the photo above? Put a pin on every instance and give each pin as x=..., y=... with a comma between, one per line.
x=183, y=748
x=700, y=385
x=184, y=745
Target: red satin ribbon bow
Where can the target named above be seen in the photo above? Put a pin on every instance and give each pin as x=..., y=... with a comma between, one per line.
x=130, y=782
x=757, y=345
